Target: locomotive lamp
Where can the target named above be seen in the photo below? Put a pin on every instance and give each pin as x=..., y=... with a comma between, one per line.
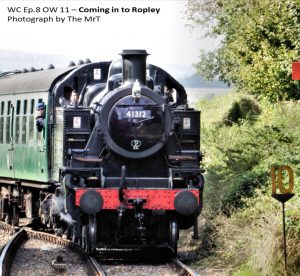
x=136, y=90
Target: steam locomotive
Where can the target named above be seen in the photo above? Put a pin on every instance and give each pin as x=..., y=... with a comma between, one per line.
x=120, y=168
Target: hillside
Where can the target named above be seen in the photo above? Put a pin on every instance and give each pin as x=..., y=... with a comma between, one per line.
x=12, y=60
x=196, y=81
x=241, y=231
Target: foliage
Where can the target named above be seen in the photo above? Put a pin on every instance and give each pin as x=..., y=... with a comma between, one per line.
x=249, y=108
x=234, y=115
x=242, y=186
x=237, y=161
x=245, y=108
x=259, y=40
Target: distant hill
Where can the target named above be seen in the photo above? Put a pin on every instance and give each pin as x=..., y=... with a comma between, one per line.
x=17, y=60
x=196, y=81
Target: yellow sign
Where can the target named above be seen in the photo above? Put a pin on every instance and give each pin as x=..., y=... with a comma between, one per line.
x=279, y=185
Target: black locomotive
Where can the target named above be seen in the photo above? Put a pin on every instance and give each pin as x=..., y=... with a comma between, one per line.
x=122, y=165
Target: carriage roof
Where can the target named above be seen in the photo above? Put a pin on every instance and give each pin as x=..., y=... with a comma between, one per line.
x=38, y=81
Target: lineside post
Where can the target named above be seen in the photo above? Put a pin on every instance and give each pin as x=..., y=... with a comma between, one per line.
x=284, y=195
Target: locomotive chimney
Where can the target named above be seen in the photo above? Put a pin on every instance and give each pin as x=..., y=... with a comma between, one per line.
x=134, y=66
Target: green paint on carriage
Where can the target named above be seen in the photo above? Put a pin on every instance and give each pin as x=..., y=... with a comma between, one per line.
x=24, y=152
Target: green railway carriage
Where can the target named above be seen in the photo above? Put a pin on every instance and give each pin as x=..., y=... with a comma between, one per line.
x=31, y=161
x=24, y=150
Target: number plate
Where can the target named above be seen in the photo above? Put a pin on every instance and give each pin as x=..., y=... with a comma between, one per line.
x=138, y=114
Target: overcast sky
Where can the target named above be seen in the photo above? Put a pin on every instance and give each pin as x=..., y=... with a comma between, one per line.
x=164, y=35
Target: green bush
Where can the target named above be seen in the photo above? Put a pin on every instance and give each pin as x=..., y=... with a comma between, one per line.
x=234, y=115
x=245, y=108
x=249, y=107
x=244, y=185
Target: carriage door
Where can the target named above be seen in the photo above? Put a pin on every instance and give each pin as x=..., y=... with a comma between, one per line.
x=42, y=147
x=9, y=137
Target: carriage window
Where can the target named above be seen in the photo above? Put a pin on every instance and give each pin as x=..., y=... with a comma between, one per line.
x=8, y=107
x=7, y=124
x=31, y=106
x=31, y=128
x=18, y=122
x=1, y=122
x=31, y=120
x=7, y=129
x=24, y=124
x=25, y=107
x=18, y=107
x=2, y=108
x=1, y=129
x=17, y=138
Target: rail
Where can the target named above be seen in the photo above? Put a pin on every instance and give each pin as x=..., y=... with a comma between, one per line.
x=9, y=250
x=184, y=270
x=97, y=267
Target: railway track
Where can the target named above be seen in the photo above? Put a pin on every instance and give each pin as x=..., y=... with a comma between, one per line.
x=5, y=233
x=8, y=251
x=99, y=265
x=185, y=270
x=122, y=262
x=173, y=268
x=9, y=254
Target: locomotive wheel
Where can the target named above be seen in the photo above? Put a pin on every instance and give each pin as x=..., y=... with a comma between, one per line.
x=93, y=233
x=89, y=236
x=173, y=236
x=85, y=239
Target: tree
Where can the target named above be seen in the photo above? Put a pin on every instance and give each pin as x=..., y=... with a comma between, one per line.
x=259, y=40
